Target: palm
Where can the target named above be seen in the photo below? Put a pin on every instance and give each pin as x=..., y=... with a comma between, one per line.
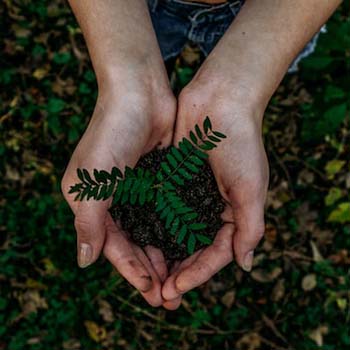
x=241, y=171
x=117, y=137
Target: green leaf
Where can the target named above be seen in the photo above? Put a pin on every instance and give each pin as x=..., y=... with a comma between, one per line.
x=85, y=192
x=188, y=144
x=149, y=196
x=160, y=203
x=172, y=160
x=75, y=188
x=197, y=226
x=93, y=192
x=128, y=172
x=98, y=177
x=191, y=243
x=125, y=197
x=177, y=154
x=207, y=124
x=203, y=239
x=182, y=234
x=333, y=195
x=118, y=192
x=340, y=214
x=159, y=176
x=142, y=198
x=166, y=168
x=185, y=174
x=135, y=186
x=193, y=138
x=207, y=145
x=191, y=167
x=198, y=132
x=333, y=167
x=190, y=216
x=80, y=175
x=169, y=219
x=219, y=134
x=195, y=160
x=102, y=193
x=116, y=173
x=183, y=210
x=133, y=198
x=165, y=212
x=174, y=226
x=213, y=138
x=140, y=172
x=168, y=186
x=200, y=154
x=127, y=184
x=178, y=179
x=109, y=190
x=105, y=175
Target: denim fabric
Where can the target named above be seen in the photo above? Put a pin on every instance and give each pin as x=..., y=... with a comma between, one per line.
x=177, y=21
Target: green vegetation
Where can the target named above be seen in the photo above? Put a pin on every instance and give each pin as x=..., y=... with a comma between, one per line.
x=140, y=186
x=297, y=296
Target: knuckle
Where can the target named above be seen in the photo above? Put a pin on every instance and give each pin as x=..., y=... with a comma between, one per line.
x=82, y=226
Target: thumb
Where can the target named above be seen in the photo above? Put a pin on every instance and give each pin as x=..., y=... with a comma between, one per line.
x=90, y=226
x=250, y=227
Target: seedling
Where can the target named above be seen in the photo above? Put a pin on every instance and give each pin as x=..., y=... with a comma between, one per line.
x=137, y=187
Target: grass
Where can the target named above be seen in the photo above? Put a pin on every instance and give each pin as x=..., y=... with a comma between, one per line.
x=297, y=296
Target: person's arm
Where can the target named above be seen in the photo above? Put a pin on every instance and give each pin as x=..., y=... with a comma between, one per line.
x=233, y=87
x=134, y=112
x=121, y=41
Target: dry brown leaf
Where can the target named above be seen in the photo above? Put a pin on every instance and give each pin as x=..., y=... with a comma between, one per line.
x=317, y=335
x=31, y=301
x=71, y=344
x=315, y=252
x=249, y=341
x=228, y=299
x=309, y=282
x=263, y=276
x=106, y=311
x=96, y=332
x=278, y=290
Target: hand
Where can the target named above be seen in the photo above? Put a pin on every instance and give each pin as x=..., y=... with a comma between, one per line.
x=240, y=167
x=127, y=122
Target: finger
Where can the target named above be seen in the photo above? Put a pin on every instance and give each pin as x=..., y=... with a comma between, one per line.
x=89, y=224
x=172, y=304
x=153, y=296
x=250, y=227
x=169, y=291
x=208, y=263
x=119, y=252
x=157, y=259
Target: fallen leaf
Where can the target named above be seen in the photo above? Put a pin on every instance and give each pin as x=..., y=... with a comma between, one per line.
x=333, y=167
x=340, y=214
x=228, y=299
x=263, y=276
x=96, y=332
x=249, y=341
x=333, y=195
x=106, y=311
x=309, y=282
x=315, y=252
x=317, y=335
x=278, y=290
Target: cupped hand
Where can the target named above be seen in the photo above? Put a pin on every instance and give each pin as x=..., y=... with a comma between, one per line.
x=126, y=124
x=240, y=167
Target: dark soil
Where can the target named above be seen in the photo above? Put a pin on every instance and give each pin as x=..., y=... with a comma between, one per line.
x=144, y=225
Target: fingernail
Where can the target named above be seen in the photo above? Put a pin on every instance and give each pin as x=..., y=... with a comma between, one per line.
x=85, y=255
x=248, y=261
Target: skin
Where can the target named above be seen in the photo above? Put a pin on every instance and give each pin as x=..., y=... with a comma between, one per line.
x=233, y=87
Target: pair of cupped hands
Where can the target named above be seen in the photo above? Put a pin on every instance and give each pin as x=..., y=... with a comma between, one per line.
x=134, y=115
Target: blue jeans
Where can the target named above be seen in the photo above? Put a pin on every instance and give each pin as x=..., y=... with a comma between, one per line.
x=177, y=21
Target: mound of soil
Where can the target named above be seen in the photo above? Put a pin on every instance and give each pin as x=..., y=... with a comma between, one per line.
x=144, y=225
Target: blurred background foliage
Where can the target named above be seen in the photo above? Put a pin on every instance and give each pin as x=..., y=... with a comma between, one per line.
x=296, y=297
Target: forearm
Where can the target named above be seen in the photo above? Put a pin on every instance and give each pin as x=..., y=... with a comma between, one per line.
x=120, y=38
x=265, y=37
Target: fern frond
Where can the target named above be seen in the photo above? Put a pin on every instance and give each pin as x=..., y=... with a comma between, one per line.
x=98, y=186
x=182, y=162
